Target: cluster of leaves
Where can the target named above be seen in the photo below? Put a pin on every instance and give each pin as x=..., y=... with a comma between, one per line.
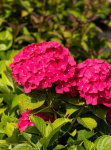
x=78, y=127
x=73, y=24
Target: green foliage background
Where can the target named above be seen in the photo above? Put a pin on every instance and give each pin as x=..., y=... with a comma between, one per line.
x=72, y=23
x=77, y=24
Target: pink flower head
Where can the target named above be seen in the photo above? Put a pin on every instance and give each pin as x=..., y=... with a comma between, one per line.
x=25, y=122
x=94, y=82
x=40, y=65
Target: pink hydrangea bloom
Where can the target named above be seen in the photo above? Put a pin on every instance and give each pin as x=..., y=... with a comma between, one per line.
x=25, y=122
x=40, y=65
x=94, y=81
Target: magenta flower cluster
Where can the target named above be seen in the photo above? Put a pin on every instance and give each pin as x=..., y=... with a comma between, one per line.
x=25, y=122
x=40, y=65
x=94, y=82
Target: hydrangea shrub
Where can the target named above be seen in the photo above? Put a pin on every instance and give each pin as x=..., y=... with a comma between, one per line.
x=71, y=100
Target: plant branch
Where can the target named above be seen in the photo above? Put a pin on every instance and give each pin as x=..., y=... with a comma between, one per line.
x=75, y=119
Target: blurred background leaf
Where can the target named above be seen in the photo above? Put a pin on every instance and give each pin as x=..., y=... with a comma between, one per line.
x=83, y=26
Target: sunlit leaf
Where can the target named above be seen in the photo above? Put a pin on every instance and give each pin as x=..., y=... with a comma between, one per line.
x=9, y=129
x=70, y=109
x=6, y=40
x=40, y=124
x=23, y=147
x=88, y=122
x=28, y=102
x=103, y=142
x=88, y=144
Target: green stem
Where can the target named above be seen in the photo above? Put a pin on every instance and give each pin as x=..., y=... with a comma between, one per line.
x=72, y=123
x=75, y=119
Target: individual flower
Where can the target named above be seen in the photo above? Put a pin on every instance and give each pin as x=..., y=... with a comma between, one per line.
x=41, y=65
x=94, y=81
x=25, y=122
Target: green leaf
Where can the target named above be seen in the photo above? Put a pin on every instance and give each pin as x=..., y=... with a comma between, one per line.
x=78, y=138
x=73, y=100
x=7, y=78
x=44, y=109
x=79, y=3
x=108, y=44
x=4, y=88
x=3, y=144
x=39, y=146
x=80, y=147
x=105, y=128
x=103, y=143
x=9, y=119
x=74, y=147
x=40, y=124
x=1, y=100
x=2, y=65
x=8, y=98
x=14, y=138
x=100, y=111
x=56, y=39
x=16, y=100
x=67, y=34
x=28, y=102
x=44, y=142
x=2, y=110
x=85, y=46
x=49, y=128
x=1, y=20
x=77, y=13
x=7, y=10
x=32, y=129
x=87, y=134
x=59, y=122
x=25, y=31
x=27, y=38
x=31, y=138
x=23, y=147
x=5, y=119
x=54, y=138
x=59, y=147
x=88, y=144
x=9, y=129
x=6, y=40
x=56, y=125
x=73, y=133
x=2, y=135
x=1, y=128
x=70, y=109
x=87, y=122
